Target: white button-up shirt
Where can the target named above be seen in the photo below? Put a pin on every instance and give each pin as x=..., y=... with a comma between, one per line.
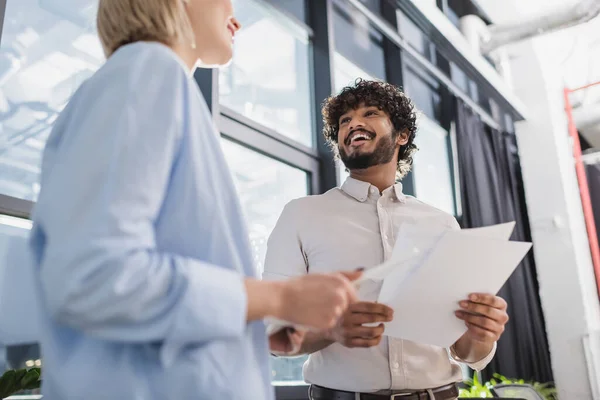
x=343, y=229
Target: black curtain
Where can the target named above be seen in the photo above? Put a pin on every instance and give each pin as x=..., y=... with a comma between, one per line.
x=593, y=176
x=492, y=192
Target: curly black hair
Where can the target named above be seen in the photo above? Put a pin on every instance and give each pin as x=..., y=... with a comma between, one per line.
x=384, y=96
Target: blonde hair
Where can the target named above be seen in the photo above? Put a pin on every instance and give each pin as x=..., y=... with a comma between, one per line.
x=122, y=22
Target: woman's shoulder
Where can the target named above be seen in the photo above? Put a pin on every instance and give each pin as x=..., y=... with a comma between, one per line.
x=137, y=71
x=145, y=60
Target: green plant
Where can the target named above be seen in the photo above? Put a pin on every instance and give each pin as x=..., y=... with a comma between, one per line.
x=14, y=381
x=476, y=389
x=546, y=390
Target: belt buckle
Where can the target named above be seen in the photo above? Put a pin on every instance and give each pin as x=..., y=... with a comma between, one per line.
x=399, y=395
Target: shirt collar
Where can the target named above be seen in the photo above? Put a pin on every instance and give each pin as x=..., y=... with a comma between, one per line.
x=360, y=190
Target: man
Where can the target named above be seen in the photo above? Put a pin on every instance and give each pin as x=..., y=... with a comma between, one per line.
x=371, y=126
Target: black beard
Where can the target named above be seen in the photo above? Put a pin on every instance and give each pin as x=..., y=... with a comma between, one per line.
x=382, y=154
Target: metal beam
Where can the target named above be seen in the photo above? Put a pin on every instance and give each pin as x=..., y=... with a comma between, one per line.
x=15, y=207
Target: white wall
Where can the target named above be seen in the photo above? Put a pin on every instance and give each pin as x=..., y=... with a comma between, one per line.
x=567, y=285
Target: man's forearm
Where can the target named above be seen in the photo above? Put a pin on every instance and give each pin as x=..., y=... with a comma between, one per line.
x=471, y=351
x=313, y=342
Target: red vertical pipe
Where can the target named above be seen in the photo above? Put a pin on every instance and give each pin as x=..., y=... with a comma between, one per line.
x=584, y=189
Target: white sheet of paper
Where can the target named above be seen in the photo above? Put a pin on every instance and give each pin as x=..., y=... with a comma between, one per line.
x=461, y=263
x=369, y=290
x=415, y=243
x=411, y=239
x=500, y=231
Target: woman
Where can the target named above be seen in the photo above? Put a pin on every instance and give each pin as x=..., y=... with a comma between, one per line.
x=144, y=267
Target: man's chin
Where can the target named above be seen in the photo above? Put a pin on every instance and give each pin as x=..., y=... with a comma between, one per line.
x=357, y=163
x=359, y=152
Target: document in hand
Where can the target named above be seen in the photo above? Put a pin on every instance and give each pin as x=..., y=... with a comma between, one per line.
x=429, y=272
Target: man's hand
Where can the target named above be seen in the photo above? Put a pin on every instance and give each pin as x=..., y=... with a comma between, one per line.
x=286, y=341
x=351, y=333
x=485, y=317
x=316, y=300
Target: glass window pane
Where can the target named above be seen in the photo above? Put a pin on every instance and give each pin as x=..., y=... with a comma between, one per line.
x=265, y=186
x=473, y=91
x=424, y=93
x=415, y=36
x=373, y=5
x=432, y=170
x=459, y=77
x=345, y=72
x=296, y=8
x=15, y=289
x=287, y=371
x=357, y=41
x=509, y=123
x=48, y=49
x=268, y=79
x=453, y=16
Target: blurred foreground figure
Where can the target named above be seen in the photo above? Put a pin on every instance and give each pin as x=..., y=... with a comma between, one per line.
x=144, y=268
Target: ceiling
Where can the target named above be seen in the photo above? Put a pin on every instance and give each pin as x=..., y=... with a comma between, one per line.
x=576, y=50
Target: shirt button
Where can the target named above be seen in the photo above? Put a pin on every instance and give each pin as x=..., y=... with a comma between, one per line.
x=373, y=190
x=396, y=365
x=386, y=237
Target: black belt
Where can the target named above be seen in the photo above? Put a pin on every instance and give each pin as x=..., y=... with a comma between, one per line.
x=442, y=393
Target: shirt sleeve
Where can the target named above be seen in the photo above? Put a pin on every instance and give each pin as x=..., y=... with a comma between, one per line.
x=453, y=223
x=478, y=365
x=285, y=256
x=101, y=270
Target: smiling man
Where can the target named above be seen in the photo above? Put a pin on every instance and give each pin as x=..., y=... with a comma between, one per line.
x=371, y=127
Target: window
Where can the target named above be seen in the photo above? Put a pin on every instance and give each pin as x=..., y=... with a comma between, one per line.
x=468, y=86
x=268, y=80
x=415, y=36
x=424, y=92
x=297, y=8
x=17, y=349
x=48, y=49
x=509, y=125
x=269, y=83
x=432, y=171
x=265, y=186
x=357, y=41
x=346, y=72
x=456, y=9
x=373, y=5
x=459, y=77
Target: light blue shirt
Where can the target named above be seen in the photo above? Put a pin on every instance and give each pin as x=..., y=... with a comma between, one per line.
x=140, y=244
